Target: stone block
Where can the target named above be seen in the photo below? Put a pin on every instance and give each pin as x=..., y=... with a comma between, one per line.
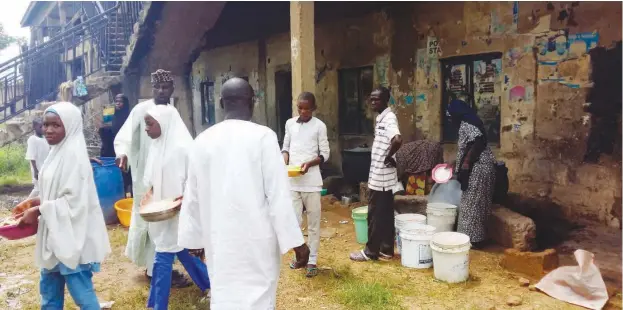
x=533, y=264
x=410, y=204
x=511, y=229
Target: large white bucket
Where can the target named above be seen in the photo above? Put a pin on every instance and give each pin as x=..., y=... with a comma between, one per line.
x=402, y=221
x=441, y=215
x=451, y=256
x=416, y=252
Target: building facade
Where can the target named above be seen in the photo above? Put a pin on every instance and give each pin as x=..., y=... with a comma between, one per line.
x=531, y=69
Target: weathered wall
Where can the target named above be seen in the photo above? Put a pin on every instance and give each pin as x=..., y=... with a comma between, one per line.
x=348, y=43
x=543, y=137
x=543, y=140
x=218, y=65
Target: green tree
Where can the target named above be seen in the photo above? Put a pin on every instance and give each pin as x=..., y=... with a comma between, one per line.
x=6, y=39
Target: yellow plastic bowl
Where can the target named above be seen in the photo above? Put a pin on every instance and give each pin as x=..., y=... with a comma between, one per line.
x=294, y=171
x=124, y=211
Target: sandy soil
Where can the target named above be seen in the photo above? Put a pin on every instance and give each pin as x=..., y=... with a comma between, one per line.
x=341, y=284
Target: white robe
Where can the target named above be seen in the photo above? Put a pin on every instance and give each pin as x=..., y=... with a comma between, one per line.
x=165, y=171
x=237, y=205
x=132, y=141
x=71, y=227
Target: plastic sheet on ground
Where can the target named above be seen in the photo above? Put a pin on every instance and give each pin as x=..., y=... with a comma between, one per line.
x=580, y=285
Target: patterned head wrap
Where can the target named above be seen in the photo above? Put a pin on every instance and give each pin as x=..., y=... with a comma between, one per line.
x=161, y=76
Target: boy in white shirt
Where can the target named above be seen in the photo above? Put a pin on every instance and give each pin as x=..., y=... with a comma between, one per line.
x=36, y=151
x=306, y=145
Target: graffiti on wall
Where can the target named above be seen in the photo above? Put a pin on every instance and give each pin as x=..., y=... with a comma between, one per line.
x=521, y=94
x=581, y=43
x=433, y=48
x=498, y=26
x=551, y=47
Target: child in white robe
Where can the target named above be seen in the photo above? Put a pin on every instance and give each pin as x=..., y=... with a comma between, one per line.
x=165, y=174
x=71, y=239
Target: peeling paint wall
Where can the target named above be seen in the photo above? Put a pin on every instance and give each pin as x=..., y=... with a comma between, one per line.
x=543, y=133
x=218, y=65
x=348, y=43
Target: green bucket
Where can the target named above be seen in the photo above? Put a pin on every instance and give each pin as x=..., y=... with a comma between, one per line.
x=360, y=219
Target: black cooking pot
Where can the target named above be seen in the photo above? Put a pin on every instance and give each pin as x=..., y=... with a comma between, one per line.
x=356, y=164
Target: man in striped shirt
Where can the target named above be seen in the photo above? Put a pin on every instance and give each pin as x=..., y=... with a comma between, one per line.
x=382, y=181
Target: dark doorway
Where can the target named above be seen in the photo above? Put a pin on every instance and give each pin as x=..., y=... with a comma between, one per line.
x=605, y=107
x=283, y=93
x=476, y=79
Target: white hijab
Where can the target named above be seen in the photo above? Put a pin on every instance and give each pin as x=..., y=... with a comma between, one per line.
x=166, y=171
x=167, y=150
x=71, y=227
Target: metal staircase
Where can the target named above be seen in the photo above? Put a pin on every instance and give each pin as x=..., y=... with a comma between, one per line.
x=99, y=43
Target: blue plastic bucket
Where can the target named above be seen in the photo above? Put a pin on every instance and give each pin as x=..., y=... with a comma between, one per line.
x=109, y=184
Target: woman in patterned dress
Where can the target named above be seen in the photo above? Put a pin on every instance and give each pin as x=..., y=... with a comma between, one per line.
x=475, y=170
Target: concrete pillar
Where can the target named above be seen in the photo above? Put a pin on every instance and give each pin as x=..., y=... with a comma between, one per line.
x=62, y=15
x=302, y=49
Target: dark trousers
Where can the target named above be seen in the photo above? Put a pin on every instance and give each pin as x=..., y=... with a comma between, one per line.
x=381, y=231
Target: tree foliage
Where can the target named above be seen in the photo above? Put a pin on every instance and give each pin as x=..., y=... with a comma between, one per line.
x=6, y=40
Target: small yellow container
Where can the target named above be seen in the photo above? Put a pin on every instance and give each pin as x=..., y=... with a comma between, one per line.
x=124, y=211
x=294, y=171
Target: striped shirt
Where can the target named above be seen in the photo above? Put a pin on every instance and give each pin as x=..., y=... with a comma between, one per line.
x=383, y=178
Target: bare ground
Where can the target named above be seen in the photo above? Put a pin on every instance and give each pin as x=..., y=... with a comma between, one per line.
x=341, y=284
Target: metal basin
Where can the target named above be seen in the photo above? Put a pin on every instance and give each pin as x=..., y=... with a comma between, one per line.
x=161, y=215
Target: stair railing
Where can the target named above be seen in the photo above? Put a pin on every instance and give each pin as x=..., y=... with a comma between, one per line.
x=81, y=50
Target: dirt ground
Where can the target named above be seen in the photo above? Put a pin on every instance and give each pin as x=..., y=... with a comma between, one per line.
x=341, y=284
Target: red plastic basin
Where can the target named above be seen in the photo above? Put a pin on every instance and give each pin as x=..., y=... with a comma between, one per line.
x=12, y=232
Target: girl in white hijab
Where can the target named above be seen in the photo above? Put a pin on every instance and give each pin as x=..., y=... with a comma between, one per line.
x=71, y=239
x=165, y=174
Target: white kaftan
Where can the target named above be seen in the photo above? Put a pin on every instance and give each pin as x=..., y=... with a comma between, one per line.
x=37, y=150
x=237, y=205
x=71, y=226
x=133, y=142
x=165, y=171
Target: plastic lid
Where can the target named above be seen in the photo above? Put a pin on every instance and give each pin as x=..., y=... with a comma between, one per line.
x=361, y=210
x=420, y=229
x=410, y=217
x=450, y=240
x=440, y=205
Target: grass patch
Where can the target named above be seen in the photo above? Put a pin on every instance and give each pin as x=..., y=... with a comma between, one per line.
x=14, y=169
x=355, y=292
x=359, y=294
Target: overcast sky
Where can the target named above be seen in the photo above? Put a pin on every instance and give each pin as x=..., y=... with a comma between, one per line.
x=10, y=17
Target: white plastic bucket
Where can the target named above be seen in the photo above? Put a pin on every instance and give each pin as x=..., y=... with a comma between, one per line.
x=416, y=252
x=402, y=221
x=450, y=256
x=441, y=215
